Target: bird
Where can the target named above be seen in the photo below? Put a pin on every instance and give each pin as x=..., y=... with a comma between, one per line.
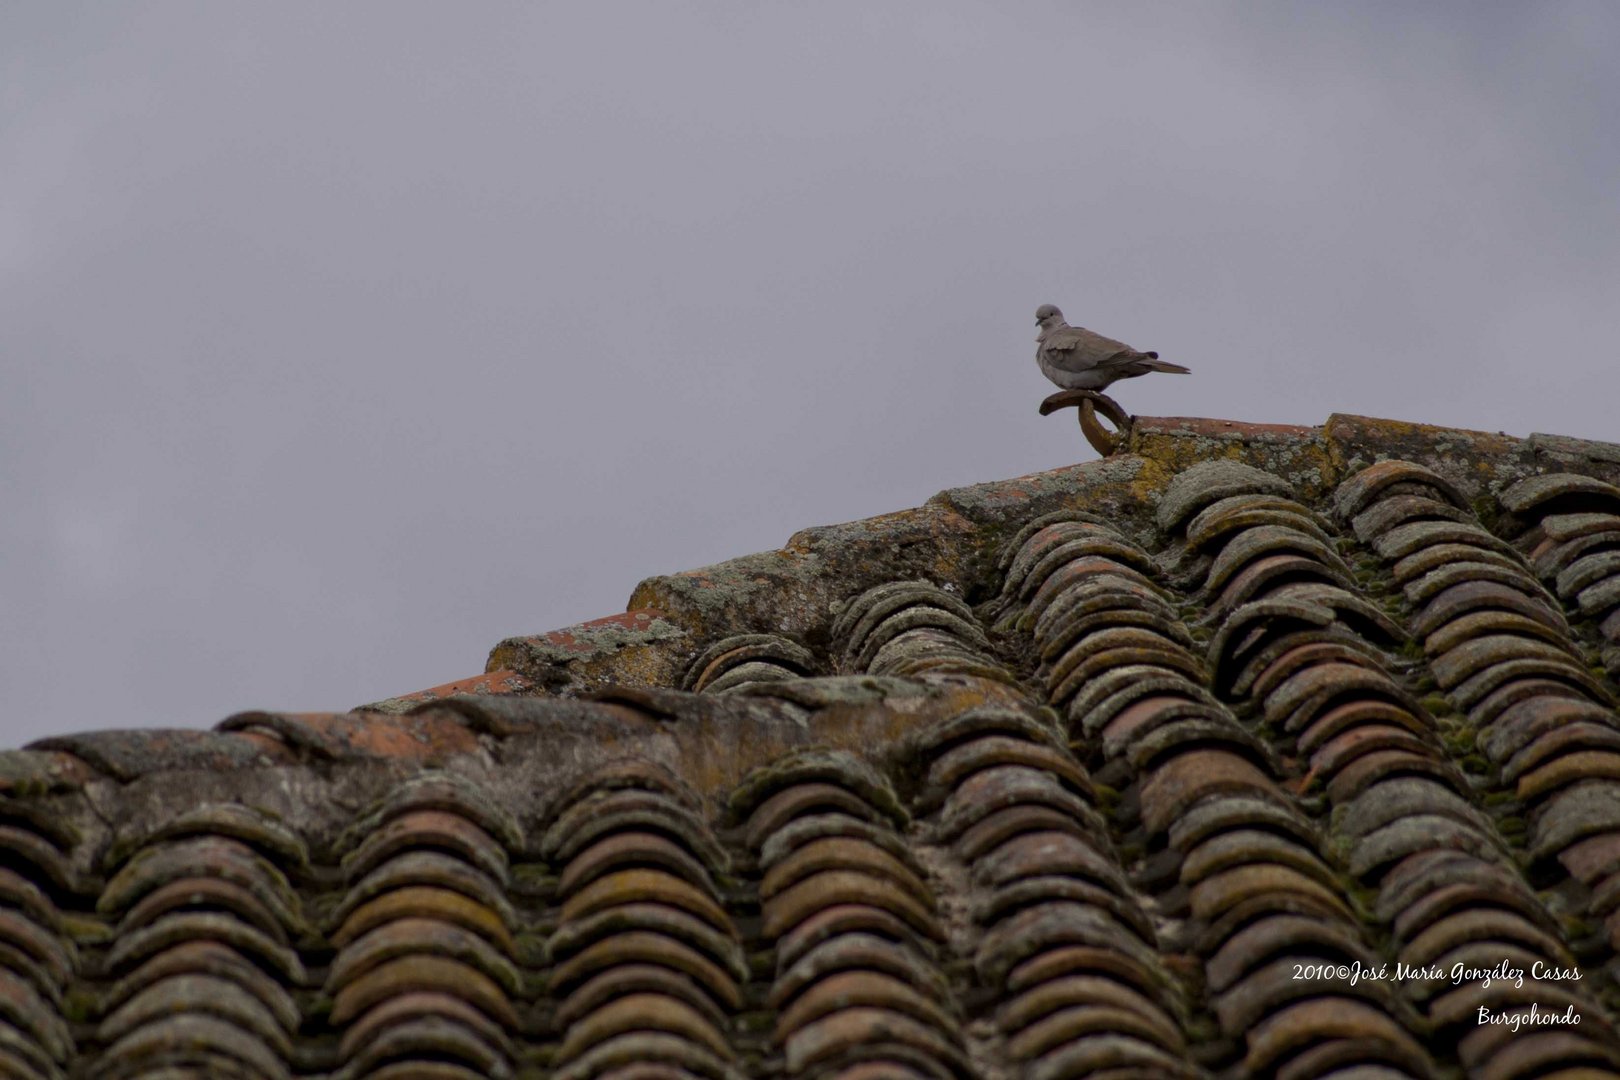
x=1077, y=359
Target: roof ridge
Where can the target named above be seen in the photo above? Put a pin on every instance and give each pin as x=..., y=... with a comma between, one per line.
x=952, y=538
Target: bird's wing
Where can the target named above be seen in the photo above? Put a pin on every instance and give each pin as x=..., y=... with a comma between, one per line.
x=1074, y=348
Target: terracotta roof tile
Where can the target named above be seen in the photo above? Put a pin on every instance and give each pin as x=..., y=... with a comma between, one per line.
x=1103, y=771
x=498, y=681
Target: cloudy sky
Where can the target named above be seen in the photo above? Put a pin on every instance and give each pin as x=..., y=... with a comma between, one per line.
x=338, y=342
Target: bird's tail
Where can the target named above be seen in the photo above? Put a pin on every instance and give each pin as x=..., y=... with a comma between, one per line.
x=1165, y=365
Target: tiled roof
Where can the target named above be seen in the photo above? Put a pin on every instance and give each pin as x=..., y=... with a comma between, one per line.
x=1147, y=767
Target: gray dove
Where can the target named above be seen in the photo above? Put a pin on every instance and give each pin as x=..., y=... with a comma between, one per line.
x=1076, y=359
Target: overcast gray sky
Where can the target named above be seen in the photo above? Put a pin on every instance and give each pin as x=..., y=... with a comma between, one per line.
x=339, y=341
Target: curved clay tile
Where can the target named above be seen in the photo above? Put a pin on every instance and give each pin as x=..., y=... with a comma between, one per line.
x=180, y=928
x=867, y=610
x=1565, y=527
x=835, y=768
x=1563, y=740
x=1552, y=557
x=444, y=906
x=1393, y=479
x=1208, y=482
x=1426, y=561
x=1263, y=540
x=414, y=935
x=1142, y=717
x=968, y=724
x=633, y=978
x=765, y=657
x=233, y=820
x=1385, y=514
x=637, y=1050
x=986, y=751
x=603, y=813
x=1538, y=496
x=1294, y=653
x=1094, y=604
x=633, y=848
x=1490, y=621
x=428, y=830
x=819, y=825
x=1063, y=542
x=261, y=910
x=435, y=790
x=1266, y=576
x=207, y=995
x=1008, y=552
x=1240, y=512
x=196, y=1040
x=674, y=924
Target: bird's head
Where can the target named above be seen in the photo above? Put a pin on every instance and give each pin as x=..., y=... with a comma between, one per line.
x=1048, y=318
